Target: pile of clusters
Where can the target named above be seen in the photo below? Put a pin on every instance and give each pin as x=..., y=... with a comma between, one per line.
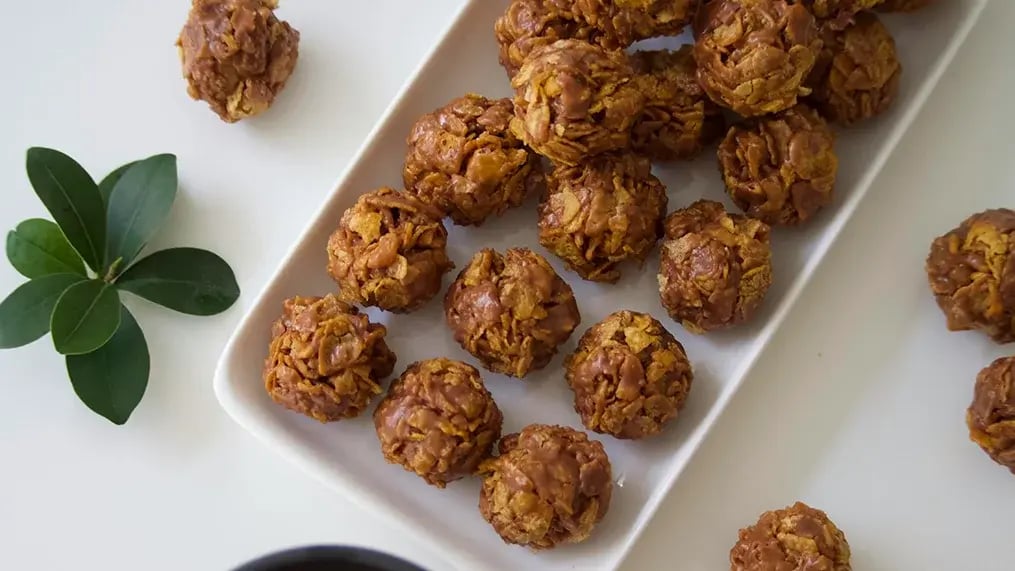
x=589, y=116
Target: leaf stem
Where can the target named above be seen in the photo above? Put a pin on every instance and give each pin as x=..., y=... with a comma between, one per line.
x=113, y=271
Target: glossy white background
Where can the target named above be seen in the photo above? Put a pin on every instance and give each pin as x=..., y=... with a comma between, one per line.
x=831, y=414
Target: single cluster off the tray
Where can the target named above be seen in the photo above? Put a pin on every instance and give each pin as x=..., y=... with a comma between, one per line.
x=972, y=274
x=796, y=538
x=991, y=416
x=237, y=55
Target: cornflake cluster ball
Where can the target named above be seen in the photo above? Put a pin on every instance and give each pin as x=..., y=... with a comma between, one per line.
x=464, y=161
x=678, y=119
x=838, y=13
x=627, y=21
x=390, y=250
x=780, y=168
x=991, y=416
x=236, y=55
x=972, y=274
x=715, y=267
x=629, y=375
x=575, y=100
x=550, y=485
x=795, y=538
x=326, y=359
x=857, y=73
x=754, y=55
x=597, y=215
x=438, y=421
x=511, y=311
x=530, y=24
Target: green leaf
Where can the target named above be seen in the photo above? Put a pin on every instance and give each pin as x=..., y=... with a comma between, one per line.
x=138, y=205
x=112, y=379
x=73, y=199
x=188, y=280
x=38, y=248
x=25, y=314
x=85, y=317
x=107, y=184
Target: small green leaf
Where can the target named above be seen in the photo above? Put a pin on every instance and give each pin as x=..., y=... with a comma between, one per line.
x=73, y=199
x=25, y=314
x=188, y=280
x=112, y=379
x=138, y=205
x=38, y=248
x=107, y=184
x=85, y=317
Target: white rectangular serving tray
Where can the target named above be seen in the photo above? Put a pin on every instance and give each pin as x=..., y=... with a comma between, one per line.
x=346, y=454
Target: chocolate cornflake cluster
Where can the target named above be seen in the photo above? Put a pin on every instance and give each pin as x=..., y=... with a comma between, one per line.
x=628, y=21
x=838, y=14
x=326, y=359
x=754, y=55
x=438, y=421
x=575, y=100
x=511, y=311
x=715, y=267
x=390, y=250
x=464, y=160
x=597, y=215
x=550, y=485
x=972, y=274
x=530, y=24
x=629, y=375
x=991, y=416
x=780, y=168
x=798, y=537
x=857, y=72
x=679, y=119
x=237, y=55
x=902, y=5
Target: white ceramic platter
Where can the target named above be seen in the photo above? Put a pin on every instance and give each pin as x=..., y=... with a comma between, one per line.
x=347, y=456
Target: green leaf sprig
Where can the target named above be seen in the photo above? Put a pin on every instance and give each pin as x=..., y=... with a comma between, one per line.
x=78, y=266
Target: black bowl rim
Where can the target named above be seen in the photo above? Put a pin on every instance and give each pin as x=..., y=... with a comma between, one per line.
x=329, y=554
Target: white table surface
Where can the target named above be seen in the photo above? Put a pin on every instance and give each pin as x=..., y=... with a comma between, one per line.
x=824, y=417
